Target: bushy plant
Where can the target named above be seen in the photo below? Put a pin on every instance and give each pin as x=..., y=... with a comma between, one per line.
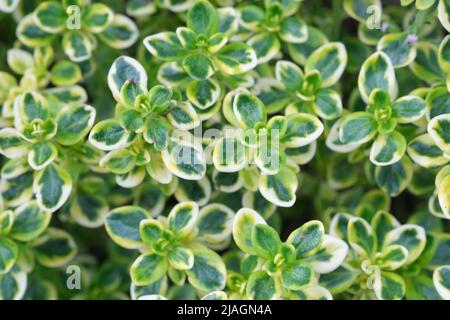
x=225, y=149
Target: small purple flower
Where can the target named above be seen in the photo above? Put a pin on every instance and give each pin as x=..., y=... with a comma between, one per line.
x=412, y=38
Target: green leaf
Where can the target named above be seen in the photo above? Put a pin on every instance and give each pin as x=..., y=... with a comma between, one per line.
x=300, y=52
x=181, y=258
x=228, y=20
x=196, y=191
x=444, y=196
x=20, y=60
x=8, y=7
x=444, y=14
x=243, y=225
x=412, y=237
x=229, y=155
x=408, y=109
x=358, y=9
x=178, y=277
x=29, y=222
x=307, y=239
x=208, y=272
x=13, y=284
x=12, y=145
x=30, y=106
x=54, y=248
x=248, y=110
x=388, y=149
x=72, y=94
x=279, y=188
x=165, y=46
x=131, y=120
x=6, y=221
x=437, y=101
x=389, y=286
x=393, y=179
x=89, y=210
x=235, y=58
x=226, y=181
x=361, y=237
x=202, y=18
x=157, y=169
x=204, y=94
x=183, y=116
x=426, y=65
x=126, y=69
x=302, y=130
x=187, y=37
x=134, y=177
x=216, y=42
x=265, y=241
x=30, y=34
x=214, y=223
x=52, y=187
x=441, y=280
x=377, y=72
x=183, y=218
x=297, y=275
x=330, y=255
x=424, y=4
x=267, y=157
x=393, y=257
x=77, y=45
x=251, y=16
x=158, y=98
x=121, y=33
x=330, y=60
x=289, y=74
x=399, y=48
x=215, y=295
x=439, y=130
x=293, y=30
x=150, y=231
x=97, y=17
x=129, y=93
x=358, y=128
x=65, y=73
x=266, y=46
x=425, y=153
x=260, y=286
x=157, y=132
x=444, y=54
x=18, y=189
x=185, y=159
x=420, y=287
x=328, y=104
x=341, y=173
x=74, y=123
x=119, y=161
x=148, y=268
x=340, y=280
x=198, y=66
x=8, y=254
x=50, y=16
x=382, y=223
x=109, y=135
x=122, y=225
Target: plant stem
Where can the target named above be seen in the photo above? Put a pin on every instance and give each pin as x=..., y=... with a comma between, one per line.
x=336, y=19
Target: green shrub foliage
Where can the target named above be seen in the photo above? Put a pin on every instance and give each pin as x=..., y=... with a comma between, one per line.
x=225, y=149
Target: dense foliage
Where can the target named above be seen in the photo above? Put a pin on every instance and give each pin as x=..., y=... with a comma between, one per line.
x=225, y=149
